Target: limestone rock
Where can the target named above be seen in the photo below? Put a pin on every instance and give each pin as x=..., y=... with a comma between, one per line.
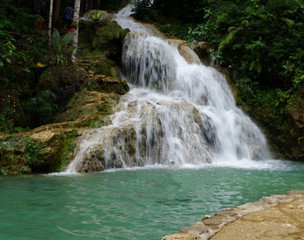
x=181, y=237
x=189, y=55
x=196, y=229
x=139, y=138
x=42, y=150
x=92, y=163
x=297, y=116
x=45, y=136
x=274, y=217
x=201, y=49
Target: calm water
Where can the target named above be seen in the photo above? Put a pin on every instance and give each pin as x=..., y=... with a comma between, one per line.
x=132, y=204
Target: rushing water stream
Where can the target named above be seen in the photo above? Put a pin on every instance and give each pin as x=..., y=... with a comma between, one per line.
x=177, y=113
x=184, y=147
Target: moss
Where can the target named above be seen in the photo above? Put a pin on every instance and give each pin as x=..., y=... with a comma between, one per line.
x=34, y=154
x=67, y=146
x=116, y=87
x=12, y=156
x=106, y=38
x=57, y=76
x=22, y=155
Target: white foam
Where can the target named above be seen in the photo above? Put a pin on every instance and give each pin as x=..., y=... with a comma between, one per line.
x=185, y=113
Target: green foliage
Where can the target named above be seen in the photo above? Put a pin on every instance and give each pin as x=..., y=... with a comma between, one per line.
x=261, y=35
x=95, y=15
x=17, y=20
x=41, y=107
x=7, y=49
x=21, y=47
x=42, y=103
x=8, y=109
x=60, y=44
x=144, y=10
x=273, y=100
x=34, y=153
x=67, y=146
x=227, y=40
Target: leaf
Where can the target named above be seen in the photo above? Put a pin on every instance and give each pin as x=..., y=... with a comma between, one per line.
x=206, y=15
x=27, y=70
x=56, y=38
x=67, y=39
x=251, y=66
x=245, y=23
x=69, y=50
x=259, y=68
x=288, y=21
x=236, y=46
x=227, y=40
x=40, y=64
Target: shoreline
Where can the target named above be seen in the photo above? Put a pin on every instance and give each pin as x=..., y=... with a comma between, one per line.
x=251, y=220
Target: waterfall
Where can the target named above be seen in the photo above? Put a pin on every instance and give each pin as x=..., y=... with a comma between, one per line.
x=176, y=113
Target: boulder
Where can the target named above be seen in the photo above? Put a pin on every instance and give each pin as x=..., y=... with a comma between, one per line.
x=297, y=116
x=104, y=17
x=201, y=49
x=188, y=54
x=42, y=150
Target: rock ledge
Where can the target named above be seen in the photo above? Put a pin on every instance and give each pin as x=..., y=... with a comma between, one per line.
x=284, y=214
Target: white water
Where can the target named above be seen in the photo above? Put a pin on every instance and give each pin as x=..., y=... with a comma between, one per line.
x=176, y=113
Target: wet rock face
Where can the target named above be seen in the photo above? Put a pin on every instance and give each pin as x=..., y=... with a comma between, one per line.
x=147, y=62
x=201, y=49
x=92, y=162
x=42, y=151
x=141, y=134
x=117, y=147
x=188, y=54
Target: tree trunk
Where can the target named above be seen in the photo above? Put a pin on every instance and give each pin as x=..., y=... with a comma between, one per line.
x=97, y=4
x=57, y=12
x=76, y=26
x=50, y=22
x=86, y=5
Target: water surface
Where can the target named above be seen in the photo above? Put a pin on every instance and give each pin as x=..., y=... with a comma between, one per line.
x=135, y=203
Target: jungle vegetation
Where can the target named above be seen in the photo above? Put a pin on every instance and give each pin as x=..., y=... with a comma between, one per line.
x=26, y=53
x=261, y=41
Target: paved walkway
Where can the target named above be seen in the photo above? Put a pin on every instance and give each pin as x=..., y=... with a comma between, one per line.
x=278, y=217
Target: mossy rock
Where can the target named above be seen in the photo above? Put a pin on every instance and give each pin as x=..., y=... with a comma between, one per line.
x=88, y=107
x=12, y=156
x=97, y=63
x=119, y=87
x=58, y=75
x=104, y=36
x=41, y=152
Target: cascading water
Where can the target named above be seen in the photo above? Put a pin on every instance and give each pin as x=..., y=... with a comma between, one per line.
x=176, y=113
